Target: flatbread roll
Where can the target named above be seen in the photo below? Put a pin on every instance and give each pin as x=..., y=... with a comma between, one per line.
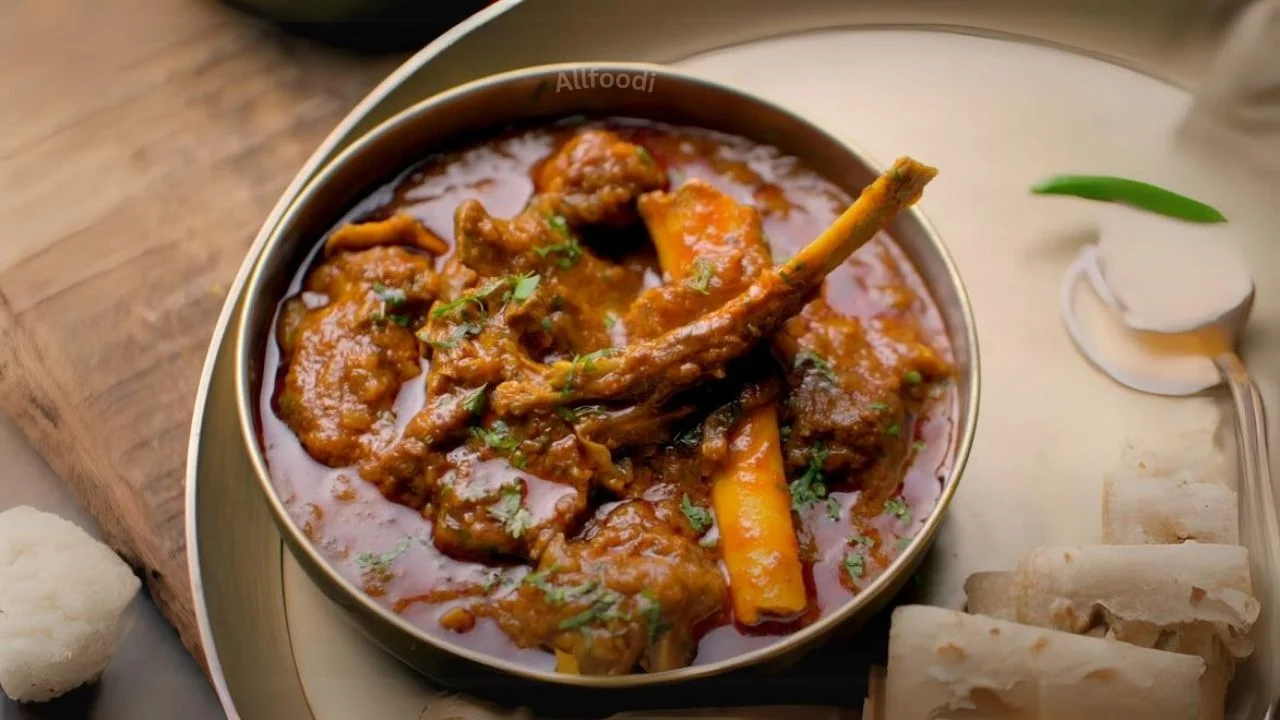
x=1138, y=510
x=992, y=594
x=948, y=665
x=1189, y=598
x=1139, y=592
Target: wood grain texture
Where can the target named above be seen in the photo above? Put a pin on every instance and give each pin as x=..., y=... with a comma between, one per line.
x=142, y=142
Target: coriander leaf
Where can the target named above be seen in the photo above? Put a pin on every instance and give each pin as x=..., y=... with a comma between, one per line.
x=654, y=624
x=547, y=324
x=902, y=543
x=894, y=430
x=879, y=406
x=703, y=271
x=402, y=320
x=599, y=609
x=699, y=517
x=897, y=508
x=558, y=223
x=473, y=402
x=919, y=446
x=833, y=508
x=568, y=250
x=810, y=487
x=817, y=362
x=498, y=436
x=511, y=511
x=587, y=363
x=855, y=565
x=644, y=155
x=610, y=320
x=523, y=286
x=381, y=564
x=860, y=539
x=913, y=377
x=393, y=297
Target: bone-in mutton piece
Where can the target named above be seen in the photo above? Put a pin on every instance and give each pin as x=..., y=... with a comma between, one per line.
x=698, y=350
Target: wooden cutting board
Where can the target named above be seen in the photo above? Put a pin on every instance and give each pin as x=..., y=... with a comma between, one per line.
x=142, y=143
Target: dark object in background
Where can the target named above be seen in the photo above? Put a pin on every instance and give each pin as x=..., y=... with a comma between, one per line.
x=371, y=26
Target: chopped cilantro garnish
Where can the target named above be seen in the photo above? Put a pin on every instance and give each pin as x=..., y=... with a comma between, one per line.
x=547, y=324
x=698, y=516
x=855, y=565
x=558, y=223
x=897, y=508
x=523, y=286
x=575, y=414
x=703, y=271
x=473, y=402
x=833, y=508
x=511, y=511
x=453, y=306
x=587, y=363
x=498, y=436
x=894, y=430
x=913, y=378
x=644, y=155
x=902, y=543
x=599, y=609
x=651, y=610
x=879, y=406
x=817, y=362
x=381, y=564
x=610, y=320
x=860, y=539
x=393, y=297
x=456, y=335
x=919, y=446
x=569, y=250
x=810, y=487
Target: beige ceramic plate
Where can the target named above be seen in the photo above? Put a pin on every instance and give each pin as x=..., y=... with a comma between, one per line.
x=993, y=114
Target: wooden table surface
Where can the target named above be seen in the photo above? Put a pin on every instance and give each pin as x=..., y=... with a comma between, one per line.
x=142, y=143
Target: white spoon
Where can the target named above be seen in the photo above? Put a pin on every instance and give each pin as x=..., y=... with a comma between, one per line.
x=1258, y=512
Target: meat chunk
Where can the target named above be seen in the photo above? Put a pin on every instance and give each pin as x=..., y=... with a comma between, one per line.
x=348, y=357
x=595, y=178
x=484, y=509
x=630, y=594
x=850, y=383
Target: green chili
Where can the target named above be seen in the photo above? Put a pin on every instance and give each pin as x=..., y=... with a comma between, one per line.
x=1130, y=192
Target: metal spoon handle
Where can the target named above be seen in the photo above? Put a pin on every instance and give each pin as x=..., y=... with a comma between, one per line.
x=1258, y=521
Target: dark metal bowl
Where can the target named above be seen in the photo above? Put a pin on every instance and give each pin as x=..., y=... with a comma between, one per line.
x=481, y=108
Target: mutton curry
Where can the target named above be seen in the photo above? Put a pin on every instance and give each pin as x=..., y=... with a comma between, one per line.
x=593, y=396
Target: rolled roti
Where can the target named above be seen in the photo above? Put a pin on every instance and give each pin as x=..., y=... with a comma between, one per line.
x=1188, y=598
x=1142, y=510
x=948, y=665
x=1140, y=592
x=992, y=594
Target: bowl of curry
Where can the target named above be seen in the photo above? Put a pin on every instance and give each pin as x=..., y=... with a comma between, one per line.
x=606, y=384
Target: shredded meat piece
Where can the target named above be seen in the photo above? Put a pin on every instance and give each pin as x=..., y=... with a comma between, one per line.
x=628, y=594
x=595, y=178
x=348, y=358
x=849, y=383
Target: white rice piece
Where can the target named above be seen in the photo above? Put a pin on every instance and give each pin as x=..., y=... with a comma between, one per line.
x=62, y=602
